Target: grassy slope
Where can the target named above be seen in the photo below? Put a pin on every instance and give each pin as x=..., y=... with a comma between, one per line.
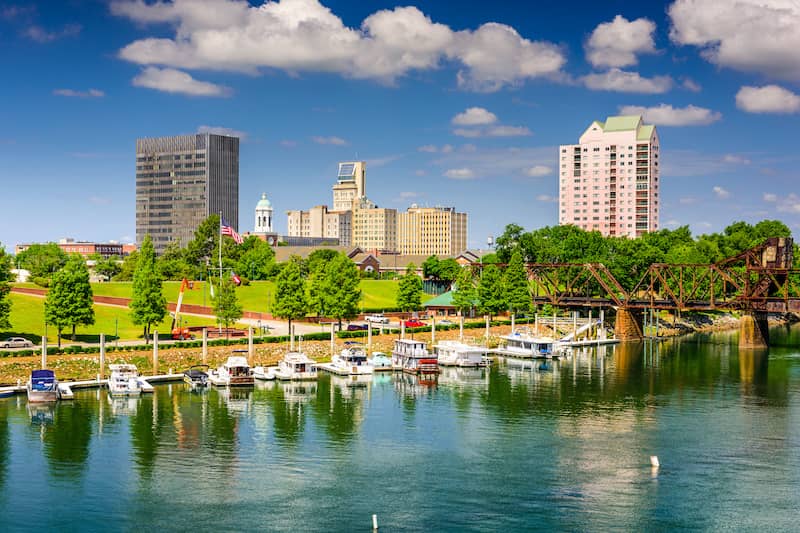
x=27, y=320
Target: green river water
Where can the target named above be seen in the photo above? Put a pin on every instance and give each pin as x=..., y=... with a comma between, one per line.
x=564, y=447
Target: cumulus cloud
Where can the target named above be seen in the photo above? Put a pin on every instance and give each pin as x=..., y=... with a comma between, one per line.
x=474, y=116
x=336, y=141
x=690, y=85
x=770, y=197
x=537, y=171
x=432, y=149
x=767, y=99
x=304, y=35
x=459, y=174
x=174, y=81
x=616, y=43
x=91, y=93
x=508, y=131
x=547, y=198
x=468, y=133
x=626, y=82
x=43, y=36
x=721, y=193
x=784, y=204
x=748, y=35
x=666, y=115
x=220, y=130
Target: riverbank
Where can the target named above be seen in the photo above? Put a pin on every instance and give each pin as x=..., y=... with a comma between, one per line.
x=671, y=325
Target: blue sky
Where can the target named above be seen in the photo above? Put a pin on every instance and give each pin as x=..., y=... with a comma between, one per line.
x=460, y=106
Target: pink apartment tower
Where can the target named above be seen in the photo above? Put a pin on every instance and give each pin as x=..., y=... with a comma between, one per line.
x=609, y=180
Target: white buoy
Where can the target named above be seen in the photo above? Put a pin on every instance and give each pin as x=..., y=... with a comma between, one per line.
x=374, y=522
x=654, y=461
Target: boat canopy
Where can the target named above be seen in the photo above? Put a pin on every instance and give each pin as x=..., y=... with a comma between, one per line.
x=43, y=374
x=237, y=361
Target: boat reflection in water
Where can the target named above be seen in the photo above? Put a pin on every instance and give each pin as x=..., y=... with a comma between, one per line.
x=239, y=400
x=464, y=377
x=298, y=391
x=411, y=385
x=123, y=405
x=43, y=414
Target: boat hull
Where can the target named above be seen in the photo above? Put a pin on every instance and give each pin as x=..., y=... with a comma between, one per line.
x=36, y=396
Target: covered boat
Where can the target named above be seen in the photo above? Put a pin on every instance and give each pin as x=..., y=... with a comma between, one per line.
x=124, y=380
x=196, y=376
x=42, y=386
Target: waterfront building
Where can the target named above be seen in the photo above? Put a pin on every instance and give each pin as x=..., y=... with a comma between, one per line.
x=431, y=231
x=609, y=181
x=85, y=248
x=319, y=223
x=374, y=228
x=351, y=184
x=180, y=181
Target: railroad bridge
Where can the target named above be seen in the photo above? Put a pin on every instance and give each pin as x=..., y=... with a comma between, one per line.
x=757, y=282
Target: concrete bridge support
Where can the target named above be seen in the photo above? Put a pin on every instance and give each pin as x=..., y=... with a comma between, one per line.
x=754, y=330
x=629, y=325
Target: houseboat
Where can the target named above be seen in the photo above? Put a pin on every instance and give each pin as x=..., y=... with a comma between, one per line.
x=455, y=353
x=234, y=373
x=124, y=380
x=42, y=386
x=412, y=356
x=296, y=366
x=351, y=361
x=525, y=346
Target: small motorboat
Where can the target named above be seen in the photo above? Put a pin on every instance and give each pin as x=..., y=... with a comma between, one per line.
x=42, y=386
x=196, y=376
x=234, y=373
x=264, y=373
x=380, y=362
x=124, y=380
x=296, y=366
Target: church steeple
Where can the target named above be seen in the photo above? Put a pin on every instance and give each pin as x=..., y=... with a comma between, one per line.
x=263, y=215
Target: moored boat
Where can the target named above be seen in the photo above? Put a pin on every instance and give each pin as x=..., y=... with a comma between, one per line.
x=455, y=353
x=526, y=346
x=234, y=373
x=196, y=376
x=351, y=361
x=124, y=380
x=412, y=356
x=296, y=366
x=380, y=362
x=42, y=386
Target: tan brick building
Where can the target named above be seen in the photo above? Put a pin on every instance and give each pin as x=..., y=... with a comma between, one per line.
x=431, y=231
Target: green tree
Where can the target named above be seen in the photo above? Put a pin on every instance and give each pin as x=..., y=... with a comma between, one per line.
x=128, y=267
x=430, y=267
x=517, y=288
x=172, y=265
x=342, y=288
x=203, y=247
x=319, y=258
x=225, y=304
x=5, y=289
x=449, y=269
x=490, y=291
x=108, y=267
x=317, y=299
x=290, y=293
x=42, y=260
x=69, y=300
x=409, y=290
x=465, y=295
x=257, y=259
x=508, y=241
x=148, y=305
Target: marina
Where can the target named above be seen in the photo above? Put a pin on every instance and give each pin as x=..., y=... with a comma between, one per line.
x=599, y=413
x=412, y=356
x=351, y=361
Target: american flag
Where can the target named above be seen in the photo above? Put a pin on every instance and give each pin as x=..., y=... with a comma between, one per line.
x=236, y=279
x=230, y=232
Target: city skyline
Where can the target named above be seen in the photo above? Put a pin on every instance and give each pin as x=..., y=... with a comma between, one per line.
x=447, y=107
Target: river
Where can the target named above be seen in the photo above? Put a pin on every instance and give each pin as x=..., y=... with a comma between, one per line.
x=563, y=447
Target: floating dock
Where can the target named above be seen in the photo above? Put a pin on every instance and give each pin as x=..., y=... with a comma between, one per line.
x=145, y=381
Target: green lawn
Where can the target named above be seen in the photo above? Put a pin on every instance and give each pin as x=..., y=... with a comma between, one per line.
x=377, y=294
x=27, y=320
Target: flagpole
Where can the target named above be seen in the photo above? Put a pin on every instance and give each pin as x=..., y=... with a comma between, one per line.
x=220, y=262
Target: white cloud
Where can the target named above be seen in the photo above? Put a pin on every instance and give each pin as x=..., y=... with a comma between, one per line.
x=286, y=143
x=91, y=93
x=99, y=200
x=770, y=197
x=407, y=195
x=41, y=35
x=459, y=174
x=767, y=99
x=174, y=81
x=687, y=200
x=735, y=159
x=508, y=131
x=672, y=223
x=789, y=203
x=219, y=130
x=666, y=115
x=547, y=198
x=420, y=172
x=627, y=82
x=428, y=148
x=537, y=171
x=748, y=35
x=336, y=141
x=616, y=43
x=446, y=149
x=691, y=85
x=474, y=116
x=468, y=133
x=304, y=35
x=721, y=193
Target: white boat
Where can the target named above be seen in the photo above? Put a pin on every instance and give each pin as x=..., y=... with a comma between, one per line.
x=296, y=366
x=412, y=356
x=124, y=380
x=196, y=376
x=42, y=386
x=351, y=361
x=455, y=353
x=264, y=373
x=526, y=346
x=234, y=373
x=381, y=362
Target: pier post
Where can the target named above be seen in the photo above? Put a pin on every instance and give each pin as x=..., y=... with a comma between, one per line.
x=205, y=345
x=754, y=330
x=460, y=326
x=433, y=330
x=402, y=328
x=155, y=352
x=589, y=331
x=102, y=356
x=574, y=325
x=629, y=325
x=44, y=352
x=487, y=326
x=332, y=343
x=369, y=337
x=536, y=324
x=513, y=316
x=250, y=345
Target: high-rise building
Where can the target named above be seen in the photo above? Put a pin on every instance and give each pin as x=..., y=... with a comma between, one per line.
x=182, y=180
x=351, y=184
x=609, y=180
x=319, y=223
x=374, y=228
x=431, y=231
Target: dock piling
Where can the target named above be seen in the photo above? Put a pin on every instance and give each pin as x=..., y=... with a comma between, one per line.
x=205, y=345
x=155, y=352
x=44, y=352
x=102, y=355
x=375, y=522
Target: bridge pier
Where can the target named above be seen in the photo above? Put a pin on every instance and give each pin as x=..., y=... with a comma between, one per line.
x=629, y=325
x=754, y=330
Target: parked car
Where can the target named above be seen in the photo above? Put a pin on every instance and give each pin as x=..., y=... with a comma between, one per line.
x=377, y=319
x=414, y=323
x=445, y=322
x=357, y=327
x=16, y=342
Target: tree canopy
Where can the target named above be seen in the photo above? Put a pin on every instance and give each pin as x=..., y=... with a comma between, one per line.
x=290, y=301
x=148, y=305
x=226, y=306
x=409, y=290
x=69, y=301
x=465, y=295
x=341, y=288
x=516, y=287
x=42, y=260
x=491, y=296
x=5, y=289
